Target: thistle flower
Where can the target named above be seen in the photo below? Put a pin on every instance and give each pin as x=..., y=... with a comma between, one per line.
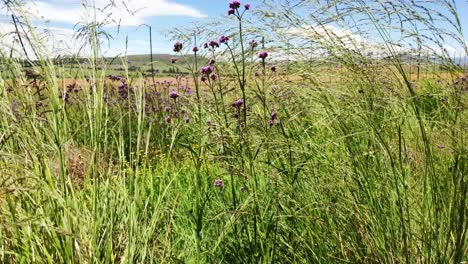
x=178, y=46
x=168, y=119
x=234, y=4
x=211, y=62
x=231, y=12
x=173, y=94
x=167, y=108
x=262, y=55
x=224, y=39
x=203, y=79
x=186, y=120
x=247, y=6
x=218, y=183
x=195, y=49
x=205, y=45
x=273, y=68
x=173, y=60
x=214, y=76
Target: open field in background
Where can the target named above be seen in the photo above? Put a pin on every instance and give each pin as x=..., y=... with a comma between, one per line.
x=343, y=158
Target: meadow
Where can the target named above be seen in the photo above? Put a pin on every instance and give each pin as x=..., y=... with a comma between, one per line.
x=259, y=153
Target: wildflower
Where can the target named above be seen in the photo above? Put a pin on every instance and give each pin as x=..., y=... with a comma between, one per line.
x=203, y=79
x=211, y=62
x=271, y=123
x=195, y=49
x=186, y=120
x=238, y=103
x=273, y=115
x=173, y=60
x=234, y=4
x=207, y=70
x=262, y=55
x=273, y=68
x=173, y=94
x=168, y=119
x=253, y=43
x=224, y=39
x=167, y=108
x=214, y=76
x=231, y=12
x=247, y=6
x=214, y=44
x=218, y=183
x=177, y=46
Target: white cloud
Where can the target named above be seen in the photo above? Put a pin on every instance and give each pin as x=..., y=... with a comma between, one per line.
x=127, y=13
x=50, y=41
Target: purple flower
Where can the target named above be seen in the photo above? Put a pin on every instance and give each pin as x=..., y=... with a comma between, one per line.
x=271, y=123
x=173, y=60
x=234, y=4
x=231, y=12
x=214, y=44
x=173, y=94
x=273, y=115
x=247, y=6
x=167, y=108
x=186, y=120
x=211, y=62
x=238, y=103
x=218, y=183
x=195, y=49
x=273, y=68
x=207, y=70
x=203, y=79
x=177, y=46
x=168, y=119
x=263, y=54
x=224, y=39
x=253, y=43
x=205, y=45
x=214, y=76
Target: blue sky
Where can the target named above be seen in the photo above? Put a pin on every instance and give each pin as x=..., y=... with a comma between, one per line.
x=160, y=14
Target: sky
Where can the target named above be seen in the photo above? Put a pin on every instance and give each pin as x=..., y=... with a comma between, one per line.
x=61, y=17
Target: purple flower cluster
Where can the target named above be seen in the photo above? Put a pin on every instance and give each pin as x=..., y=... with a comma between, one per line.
x=174, y=60
x=224, y=39
x=207, y=70
x=178, y=46
x=273, y=117
x=219, y=184
x=263, y=55
x=235, y=5
x=238, y=103
x=253, y=43
x=173, y=94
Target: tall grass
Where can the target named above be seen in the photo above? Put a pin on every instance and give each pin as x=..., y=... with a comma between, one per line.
x=320, y=152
